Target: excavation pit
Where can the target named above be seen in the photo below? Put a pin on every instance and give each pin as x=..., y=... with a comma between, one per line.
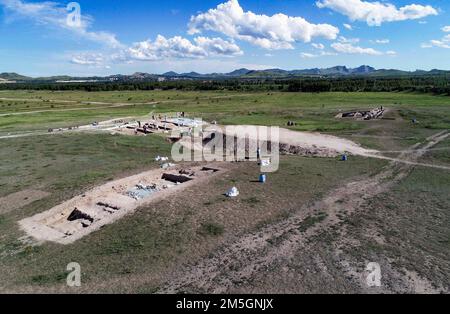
x=177, y=179
x=79, y=215
x=366, y=115
x=105, y=204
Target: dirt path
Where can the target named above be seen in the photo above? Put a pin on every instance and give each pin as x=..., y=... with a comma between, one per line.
x=254, y=252
x=104, y=126
x=17, y=200
x=38, y=100
x=106, y=105
x=70, y=109
x=24, y=135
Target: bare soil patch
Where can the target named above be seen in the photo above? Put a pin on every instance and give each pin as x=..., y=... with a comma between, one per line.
x=105, y=204
x=17, y=200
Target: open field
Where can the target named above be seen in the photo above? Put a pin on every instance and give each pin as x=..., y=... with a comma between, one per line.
x=313, y=112
x=312, y=228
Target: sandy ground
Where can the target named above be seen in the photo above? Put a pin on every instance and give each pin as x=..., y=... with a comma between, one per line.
x=107, y=203
x=309, y=140
x=250, y=255
x=286, y=141
x=311, y=144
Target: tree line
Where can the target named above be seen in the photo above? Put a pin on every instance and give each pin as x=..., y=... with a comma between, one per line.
x=433, y=84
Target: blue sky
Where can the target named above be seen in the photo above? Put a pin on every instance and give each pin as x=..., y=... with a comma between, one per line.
x=118, y=36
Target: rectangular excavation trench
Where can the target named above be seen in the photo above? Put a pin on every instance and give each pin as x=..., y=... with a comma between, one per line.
x=105, y=204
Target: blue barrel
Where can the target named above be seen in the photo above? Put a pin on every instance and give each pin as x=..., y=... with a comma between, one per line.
x=262, y=178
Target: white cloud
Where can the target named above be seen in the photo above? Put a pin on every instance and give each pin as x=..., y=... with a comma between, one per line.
x=318, y=46
x=345, y=40
x=53, y=14
x=444, y=42
x=218, y=46
x=348, y=26
x=376, y=13
x=381, y=41
x=391, y=53
x=178, y=47
x=307, y=55
x=439, y=44
x=351, y=49
x=91, y=59
x=278, y=31
x=163, y=48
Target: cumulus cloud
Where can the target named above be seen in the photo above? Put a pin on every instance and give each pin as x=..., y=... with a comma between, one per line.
x=376, y=13
x=53, y=14
x=163, y=48
x=179, y=47
x=218, y=46
x=446, y=29
x=351, y=49
x=278, y=31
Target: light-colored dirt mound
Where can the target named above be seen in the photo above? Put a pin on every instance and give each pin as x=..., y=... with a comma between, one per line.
x=20, y=199
x=105, y=204
x=322, y=144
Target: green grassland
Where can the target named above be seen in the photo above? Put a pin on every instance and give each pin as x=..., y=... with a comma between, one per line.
x=162, y=236
x=137, y=252
x=312, y=112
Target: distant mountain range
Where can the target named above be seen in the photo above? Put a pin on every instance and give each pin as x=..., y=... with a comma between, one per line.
x=333, y=72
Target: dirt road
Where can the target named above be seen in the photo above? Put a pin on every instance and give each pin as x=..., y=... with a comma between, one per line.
x=72, y=109
x=250, y=255
x=106, y=105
